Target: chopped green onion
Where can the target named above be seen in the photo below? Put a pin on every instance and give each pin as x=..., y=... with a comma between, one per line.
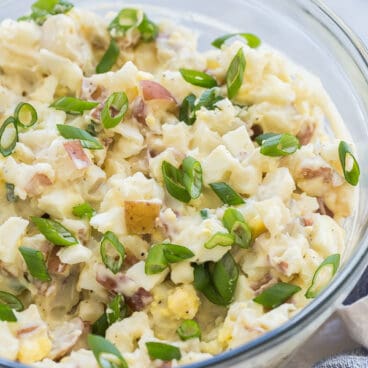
x=227, y=194
x=242, y=234
x=109, y=58
x=11, y=301
x=176, y=253
x=93, y=128
x=106, y=354
x=252, y=40
x=116, y=310
x=148, y=29
x=100, y=326
x=262, y=137
x=192, y=177
x=7, y=314
x=72, y=105
x=112, y=252
x=217, y=281
x=10, y=195
x=198, y=78
x=235, y=73
x=189, y=329
x=201, y=276
x=280, y=145
x=166, y=352
x=126, y=19
x=84, y=210
x=54, y=232
x=204, y=213
x=187, y=110
x=351, y=175
x=330, y=265
x=41, y=9
x=225, y=276
x=35, y=262
x=130, y=18
x=8, y=136
x=209, y=99
x=276, y=295
x=220, y=239
x=114, y=110
x=234, y=222
x=173, y=179
x=86, y=139
x=160, y=255
x=25, y=115
x=156, y=261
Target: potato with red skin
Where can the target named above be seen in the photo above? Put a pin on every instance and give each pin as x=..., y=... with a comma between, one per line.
x=140, y=216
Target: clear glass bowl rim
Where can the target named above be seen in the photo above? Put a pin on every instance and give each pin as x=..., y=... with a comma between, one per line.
x=349, y=274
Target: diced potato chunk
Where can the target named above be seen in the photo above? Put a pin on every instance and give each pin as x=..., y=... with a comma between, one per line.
x=140, y=216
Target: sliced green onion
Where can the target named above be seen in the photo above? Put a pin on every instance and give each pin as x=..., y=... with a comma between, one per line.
x=72, y=105
x=109, y=58
x=112, y=252
x=330, y=265
x=54, y=232
x=116, y=310
x=114, y=110
x=262, y=137
x=204, y=213
x=198, y=78
x=7, y=314
x=280, y=145
x=8, y=136
x=252, y=40
x=148, y=29
x=25, y=115
x=173, y=179
x=84, y=210
x=187, y=110
x=189, y=329
x=217, y=281
x=100, y=326
x=11, y=301
x=106, y=354
x=242, y=233
x=10, y=195
x=225, y=276
x=41, y=9
x=351, y=175
x=234, y=222
x=220, y=239
x=156, y=261
x=86, y=139
x=166, y=352
x=192, y=177
x=227, y=194
x=276, y=295
x=235, y=73
x=35, y=262
x=209, y=99
x=176, y=253
x=160, y=255
x=127, y=18
x=93, y=128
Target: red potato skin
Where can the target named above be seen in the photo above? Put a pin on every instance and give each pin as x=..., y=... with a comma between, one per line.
x=154, y=91
x=76, y=153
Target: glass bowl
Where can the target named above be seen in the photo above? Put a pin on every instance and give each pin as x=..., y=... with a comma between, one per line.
x=310, y=34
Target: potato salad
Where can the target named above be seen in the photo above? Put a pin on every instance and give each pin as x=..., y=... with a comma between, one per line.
x=159, y=204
